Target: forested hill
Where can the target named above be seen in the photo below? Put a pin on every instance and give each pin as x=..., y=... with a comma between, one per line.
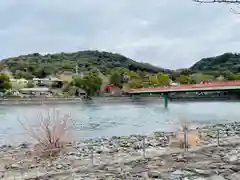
x=42, y=65
x=228, y=62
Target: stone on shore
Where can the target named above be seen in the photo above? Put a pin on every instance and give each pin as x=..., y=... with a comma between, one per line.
x=128, y=158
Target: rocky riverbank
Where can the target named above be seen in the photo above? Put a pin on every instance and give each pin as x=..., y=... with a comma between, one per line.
x=133, y=158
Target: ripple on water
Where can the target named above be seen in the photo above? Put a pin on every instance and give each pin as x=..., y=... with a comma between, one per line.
x=93, y=121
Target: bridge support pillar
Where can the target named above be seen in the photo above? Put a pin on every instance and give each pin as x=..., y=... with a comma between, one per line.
x=165, y=95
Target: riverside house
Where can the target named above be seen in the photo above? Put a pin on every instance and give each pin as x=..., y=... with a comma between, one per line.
x=50, y=81
x=40, y=91
x=18, y=83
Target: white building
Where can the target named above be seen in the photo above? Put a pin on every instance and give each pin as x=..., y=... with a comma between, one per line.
x=18, y=83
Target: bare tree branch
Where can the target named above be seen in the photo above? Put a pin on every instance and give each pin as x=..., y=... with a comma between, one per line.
x=218, y=1
x=237, y=2
x=234, y=11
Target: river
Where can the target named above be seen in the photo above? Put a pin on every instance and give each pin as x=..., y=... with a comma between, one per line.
x=117, y=119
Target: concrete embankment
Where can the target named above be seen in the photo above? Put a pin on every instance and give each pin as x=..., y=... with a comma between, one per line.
x=111, y=99
x=203, y=99
x=73, y=100
x=39, y=101
x=146, y=99
x=121, y=99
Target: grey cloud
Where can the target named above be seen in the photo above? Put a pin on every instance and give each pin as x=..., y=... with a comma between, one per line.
x=171, y=34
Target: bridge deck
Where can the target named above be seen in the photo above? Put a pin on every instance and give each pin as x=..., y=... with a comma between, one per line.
x=215, y=86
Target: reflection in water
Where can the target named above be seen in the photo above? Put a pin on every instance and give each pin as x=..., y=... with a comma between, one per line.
x=92, y=121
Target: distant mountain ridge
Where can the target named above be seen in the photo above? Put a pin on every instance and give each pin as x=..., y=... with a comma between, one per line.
x=227, y=62
x=41, y=65
x=52, y=63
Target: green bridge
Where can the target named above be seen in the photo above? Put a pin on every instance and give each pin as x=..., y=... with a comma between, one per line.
x=230, y=86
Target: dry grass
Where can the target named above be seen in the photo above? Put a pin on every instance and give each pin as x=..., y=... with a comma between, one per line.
x=178, y=140
x=193, y=137
x=50, y=135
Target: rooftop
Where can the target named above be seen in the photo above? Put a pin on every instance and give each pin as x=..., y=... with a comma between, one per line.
x=47, y=79
x=39, y=89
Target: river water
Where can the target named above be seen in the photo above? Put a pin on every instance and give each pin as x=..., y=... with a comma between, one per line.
x=95, y=120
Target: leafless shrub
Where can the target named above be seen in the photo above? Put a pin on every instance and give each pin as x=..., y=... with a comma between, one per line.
x=185, y=125
x=50, y=134
x=181, y=126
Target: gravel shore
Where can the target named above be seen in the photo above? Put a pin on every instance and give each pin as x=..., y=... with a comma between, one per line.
x=133, y=158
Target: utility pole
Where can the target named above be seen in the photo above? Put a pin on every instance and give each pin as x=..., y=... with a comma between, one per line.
x=76, y=69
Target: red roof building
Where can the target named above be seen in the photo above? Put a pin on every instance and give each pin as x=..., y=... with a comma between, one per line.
x=108, y=88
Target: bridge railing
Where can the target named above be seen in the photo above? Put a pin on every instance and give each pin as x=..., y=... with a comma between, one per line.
x=206, y=84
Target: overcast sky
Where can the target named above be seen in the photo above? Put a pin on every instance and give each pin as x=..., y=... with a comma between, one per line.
x=168, y=33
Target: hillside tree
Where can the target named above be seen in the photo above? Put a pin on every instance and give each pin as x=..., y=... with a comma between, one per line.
x=90, y=83
x=154, y=80
x=163, y=79
x=5, y=83
x=135, y=83
x=183, y=79
x=115, y=79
